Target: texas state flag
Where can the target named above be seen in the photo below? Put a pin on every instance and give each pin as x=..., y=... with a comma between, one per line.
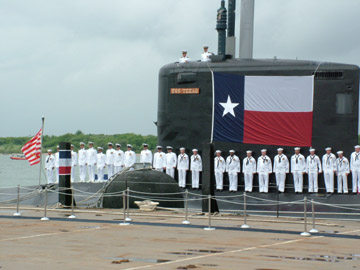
x=271, y=110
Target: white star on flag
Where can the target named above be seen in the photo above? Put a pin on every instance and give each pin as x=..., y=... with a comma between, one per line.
x=229, y=107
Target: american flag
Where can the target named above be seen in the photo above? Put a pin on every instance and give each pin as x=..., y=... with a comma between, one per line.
x=32, y=149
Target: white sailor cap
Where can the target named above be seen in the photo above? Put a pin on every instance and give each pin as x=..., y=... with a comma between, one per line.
x=49, y=151
x=100, y=148
x=91, y=143
x=145, y=144
x=263, y=150
x=195, y=150
x=357, y=146
x=82, y=143
x=205, y=46
x=169, y=147
x=297, y=148
x=129, y=146
x=118, y=145
x=110, y=143
x=339, y=152
x=159, y=147
x=248, y=152
x=312, y=150
x=184, y=51
x=232, y=151
x=72, y=145
x=328, y=149
x=218, y=151
x=280, y=149
x=182, y=148
x=57, y=147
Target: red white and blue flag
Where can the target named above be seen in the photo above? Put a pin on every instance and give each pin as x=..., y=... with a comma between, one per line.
x=270, y=110
x=32, y=149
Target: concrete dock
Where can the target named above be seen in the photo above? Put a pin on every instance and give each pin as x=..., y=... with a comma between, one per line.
x=159, y=240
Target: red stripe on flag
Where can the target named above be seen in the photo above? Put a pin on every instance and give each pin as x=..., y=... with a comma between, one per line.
x=278, y=128
x=65, y=170
x=32, y=149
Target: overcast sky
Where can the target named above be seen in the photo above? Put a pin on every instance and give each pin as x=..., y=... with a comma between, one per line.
x=93, y=65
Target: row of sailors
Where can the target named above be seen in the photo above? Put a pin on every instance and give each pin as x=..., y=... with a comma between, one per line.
x=205, y=56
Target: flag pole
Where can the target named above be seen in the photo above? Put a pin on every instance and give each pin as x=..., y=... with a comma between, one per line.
x=41, y=147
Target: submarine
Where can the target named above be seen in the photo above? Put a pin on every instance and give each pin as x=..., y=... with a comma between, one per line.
x=185, y=101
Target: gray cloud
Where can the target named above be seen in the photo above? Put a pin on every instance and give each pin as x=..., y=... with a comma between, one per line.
x=93, y=65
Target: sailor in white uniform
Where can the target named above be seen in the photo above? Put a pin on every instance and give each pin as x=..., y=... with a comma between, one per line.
x=342, y=168
x=101, y=165
x=195, y=168
x=205, y=56
x=219, y=169
x=130, y=158
x=281, y=168
x=233, y=169
x=82, y=160
x=170, y=161
x=182, y=167
x=328, y=163
x=298, y=169
x=184, y=58
x=159, y=159
x=146, y=155
x=313, y=168
x=49, y=167
x=57, y=164
x=110, y=156
x=355, y=169
x=264, y=169
x=91, y=161
x=249, y=169
x=74, y=158
x=119, y=159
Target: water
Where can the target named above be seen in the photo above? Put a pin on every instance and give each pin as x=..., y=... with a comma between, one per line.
x=18, y=172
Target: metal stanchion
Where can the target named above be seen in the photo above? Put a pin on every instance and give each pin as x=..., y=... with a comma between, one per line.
x=45, y=218
x=72, y=204
x=209, y=228
x=17, y=213
x=128, y=205
x=124, y=223
x=305, y=233
x=186, y=221
x=313, y=230
x=245, y=226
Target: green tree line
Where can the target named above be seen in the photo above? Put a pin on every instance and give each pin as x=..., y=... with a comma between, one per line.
x=9, y=145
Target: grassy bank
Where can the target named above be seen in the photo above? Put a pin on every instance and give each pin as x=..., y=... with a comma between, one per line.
x=9, y=145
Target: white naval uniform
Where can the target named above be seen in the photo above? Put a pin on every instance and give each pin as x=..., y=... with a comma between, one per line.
x=91, y=162
x=184, y=59
x=196, y=168
x=82, y=159
x=264, y=168
x=329, y=163
x=110, y=156
x=355, y=170
x=101, y=164
x=249, y=169
x=298, y=167
x=57, y=166
x=219, y=169
x=170, y=163
x=130, y=159
x=118, y=161
x=281, y=168
x=146, y=156
x=182, y=167
x=159, y=161
x=342, y=168
x=313, y=168
x=233, y=168
x=49, y=167
x=205, y=57
x=74, y=158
